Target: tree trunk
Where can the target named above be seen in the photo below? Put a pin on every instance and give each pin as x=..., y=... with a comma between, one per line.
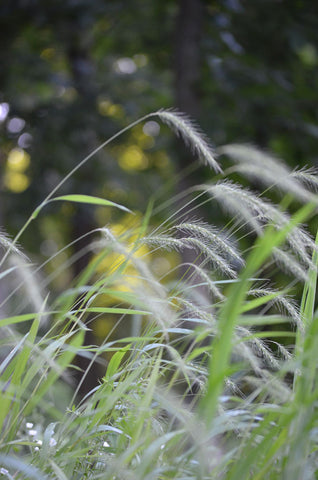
x=187, y=87
x=187, y=56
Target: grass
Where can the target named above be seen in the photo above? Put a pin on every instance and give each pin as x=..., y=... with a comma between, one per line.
x=216, y=375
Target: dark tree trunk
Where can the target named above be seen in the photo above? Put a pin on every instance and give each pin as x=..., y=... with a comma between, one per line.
x=187, y=56
x=187, y=70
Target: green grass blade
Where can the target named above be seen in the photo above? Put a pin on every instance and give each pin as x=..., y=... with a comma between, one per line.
x=115, y=362
x=17, y=319
x=259, y=301
x=90, y=200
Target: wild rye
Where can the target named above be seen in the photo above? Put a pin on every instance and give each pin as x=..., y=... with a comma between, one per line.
x=134, y=424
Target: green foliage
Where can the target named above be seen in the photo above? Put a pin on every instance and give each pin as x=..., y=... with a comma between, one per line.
x=202, y=383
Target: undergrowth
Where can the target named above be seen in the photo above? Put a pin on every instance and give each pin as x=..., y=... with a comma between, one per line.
x=216, y=376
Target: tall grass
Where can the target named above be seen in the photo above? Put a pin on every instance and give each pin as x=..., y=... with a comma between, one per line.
x=216, y=375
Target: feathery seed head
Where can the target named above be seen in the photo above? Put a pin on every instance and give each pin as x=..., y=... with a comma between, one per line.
x=199, y=245
x=212, y=236
x=282, y=302
x=258, y=212
x=307, y=176
x=7, y=244
x=265, y=168
x=191, y=135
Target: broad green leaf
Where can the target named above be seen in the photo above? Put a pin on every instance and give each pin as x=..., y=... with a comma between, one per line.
x=17, y=319
x=91, y=200
x=115, y=362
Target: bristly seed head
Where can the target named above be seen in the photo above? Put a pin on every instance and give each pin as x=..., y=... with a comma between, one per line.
x=7, y=244
x=266, y=169
x=191, y=135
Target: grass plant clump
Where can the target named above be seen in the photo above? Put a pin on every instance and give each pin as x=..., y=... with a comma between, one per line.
x=216, y=375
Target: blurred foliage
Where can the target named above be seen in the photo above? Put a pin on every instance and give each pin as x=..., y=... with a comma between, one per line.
x=74, y=72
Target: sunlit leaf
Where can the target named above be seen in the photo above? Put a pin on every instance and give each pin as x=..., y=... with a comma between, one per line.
x=91, y=200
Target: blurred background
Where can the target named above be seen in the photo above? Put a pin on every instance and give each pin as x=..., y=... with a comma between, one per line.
x=74, y=72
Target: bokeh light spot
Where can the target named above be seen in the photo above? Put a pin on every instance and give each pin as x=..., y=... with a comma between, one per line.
x=16, y=182
x=18, y=160
x=4, y=110
x=133, y=158
x=308, y=55
x=109, y=109
x=25, y=140
x=15, y=125
x=125, y=66
x=140, y=59
x=151, y=128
